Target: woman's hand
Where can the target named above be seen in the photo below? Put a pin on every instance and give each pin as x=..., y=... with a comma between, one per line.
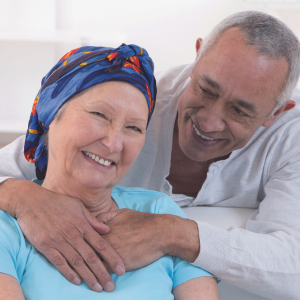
x=60, y=228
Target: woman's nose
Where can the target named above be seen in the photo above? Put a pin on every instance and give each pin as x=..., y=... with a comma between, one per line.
x=113, y=141
x=211, y=119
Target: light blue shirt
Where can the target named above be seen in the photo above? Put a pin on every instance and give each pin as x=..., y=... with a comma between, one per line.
x=40, y=280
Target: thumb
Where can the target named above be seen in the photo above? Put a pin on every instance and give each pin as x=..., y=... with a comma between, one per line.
x=97, y=225
x=107, y=216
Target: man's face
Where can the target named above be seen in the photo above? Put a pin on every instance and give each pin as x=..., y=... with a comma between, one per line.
x=230, y=95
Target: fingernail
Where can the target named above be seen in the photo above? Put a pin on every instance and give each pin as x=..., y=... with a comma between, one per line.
x=98, y=287
x=76, y=281
x=109, y=287
x=120, y=270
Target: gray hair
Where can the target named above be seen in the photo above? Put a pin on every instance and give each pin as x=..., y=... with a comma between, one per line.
x=270, y=37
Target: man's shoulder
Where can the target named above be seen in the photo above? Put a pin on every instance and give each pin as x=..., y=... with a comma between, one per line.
x=172, y=80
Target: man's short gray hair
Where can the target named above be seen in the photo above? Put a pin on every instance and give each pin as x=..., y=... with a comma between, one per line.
x=270, y=37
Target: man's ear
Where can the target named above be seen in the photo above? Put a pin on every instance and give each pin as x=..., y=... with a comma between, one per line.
x=198, y=45
x=290, y=104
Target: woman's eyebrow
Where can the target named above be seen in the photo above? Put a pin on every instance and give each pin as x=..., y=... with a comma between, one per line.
x=138, y=119
x=98, y=102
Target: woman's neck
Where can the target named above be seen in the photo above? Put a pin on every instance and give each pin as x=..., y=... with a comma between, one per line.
x=95, y=200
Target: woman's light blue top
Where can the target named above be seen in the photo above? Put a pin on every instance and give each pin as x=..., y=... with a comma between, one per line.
x=40, y=280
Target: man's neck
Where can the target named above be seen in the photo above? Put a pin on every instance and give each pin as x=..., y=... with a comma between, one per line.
x=186, y=175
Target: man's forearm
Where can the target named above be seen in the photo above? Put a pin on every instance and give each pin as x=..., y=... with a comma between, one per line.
x=183, y=237
x=10, y=191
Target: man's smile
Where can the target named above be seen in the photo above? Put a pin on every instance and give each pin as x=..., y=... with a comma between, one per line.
x=202, y=139
x=202, y=135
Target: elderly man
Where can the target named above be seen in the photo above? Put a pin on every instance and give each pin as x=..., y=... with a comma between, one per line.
x=225, y=132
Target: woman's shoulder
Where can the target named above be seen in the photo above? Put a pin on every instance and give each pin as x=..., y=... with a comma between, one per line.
x=14, y=248
x=8, y=223
x=11, y=235
x=146, y=201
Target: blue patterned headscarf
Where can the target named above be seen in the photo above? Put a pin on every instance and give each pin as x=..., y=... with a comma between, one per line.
x=76, y=71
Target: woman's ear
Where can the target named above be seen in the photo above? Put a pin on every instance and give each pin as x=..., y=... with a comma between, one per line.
x=290, y=104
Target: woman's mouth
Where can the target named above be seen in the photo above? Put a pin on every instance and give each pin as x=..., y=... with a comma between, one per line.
x=97, y=159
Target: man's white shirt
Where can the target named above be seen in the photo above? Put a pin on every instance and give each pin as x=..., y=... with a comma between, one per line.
x=265, y=174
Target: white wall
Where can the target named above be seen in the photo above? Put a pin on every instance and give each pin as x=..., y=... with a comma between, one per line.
x=34, y=34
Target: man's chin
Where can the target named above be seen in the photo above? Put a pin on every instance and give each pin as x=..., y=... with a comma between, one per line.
x=197, y=155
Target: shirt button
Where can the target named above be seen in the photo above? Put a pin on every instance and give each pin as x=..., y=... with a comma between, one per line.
x=166, y=187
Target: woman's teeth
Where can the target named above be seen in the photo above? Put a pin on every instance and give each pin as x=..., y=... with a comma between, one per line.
x=101, y=161
x=203, y=136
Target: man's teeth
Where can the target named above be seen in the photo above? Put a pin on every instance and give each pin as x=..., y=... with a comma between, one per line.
x=203, y=136
x=101, y=161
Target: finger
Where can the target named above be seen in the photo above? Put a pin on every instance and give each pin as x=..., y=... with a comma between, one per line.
x=100, y=227
x=107, y=253
x=93, y=261
x=108, y=216
x=78, y=263
x=56, y=259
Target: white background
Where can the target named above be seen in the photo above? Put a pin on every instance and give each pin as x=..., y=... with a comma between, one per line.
x=35, y=34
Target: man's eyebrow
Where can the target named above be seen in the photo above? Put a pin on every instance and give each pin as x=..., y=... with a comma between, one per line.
x=211, y=82
x=249, y=106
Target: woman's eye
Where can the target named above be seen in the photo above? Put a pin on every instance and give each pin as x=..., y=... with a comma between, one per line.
x=240, y=112
x=99, y=114
x=135, y=129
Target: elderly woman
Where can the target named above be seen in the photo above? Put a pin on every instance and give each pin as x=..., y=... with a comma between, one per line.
x=87, y=127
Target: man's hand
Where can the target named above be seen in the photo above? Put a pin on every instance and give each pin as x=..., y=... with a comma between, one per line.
x=60, y=228
x=142, y=238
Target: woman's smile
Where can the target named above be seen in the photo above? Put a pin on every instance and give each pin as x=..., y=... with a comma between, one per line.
x=99, y=161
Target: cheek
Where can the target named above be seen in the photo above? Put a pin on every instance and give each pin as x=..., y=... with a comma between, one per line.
x=132, y=148
x=241, y=133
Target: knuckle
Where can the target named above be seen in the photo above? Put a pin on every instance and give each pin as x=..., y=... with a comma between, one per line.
x=58, y=261
x=77, y=261
x=104, y=277
x=43, y=242
x=101, y=245
x=73, y=234
x=92, y=258
x=90, y=279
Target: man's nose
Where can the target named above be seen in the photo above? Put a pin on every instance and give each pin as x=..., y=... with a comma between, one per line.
x=211, y=119
x=113, y=141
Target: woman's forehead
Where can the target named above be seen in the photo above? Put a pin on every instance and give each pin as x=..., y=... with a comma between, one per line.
x=115, y=98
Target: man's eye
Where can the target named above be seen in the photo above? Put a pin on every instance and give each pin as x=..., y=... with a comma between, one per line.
x=240, y=112
x=205, y=91
x=135, y=129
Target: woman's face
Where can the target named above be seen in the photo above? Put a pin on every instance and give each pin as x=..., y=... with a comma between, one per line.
x=98, y=136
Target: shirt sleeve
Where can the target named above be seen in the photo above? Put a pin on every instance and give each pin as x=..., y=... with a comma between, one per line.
x=183, y=270
x=13, y=163
x=12, y=255
x=265, y=256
